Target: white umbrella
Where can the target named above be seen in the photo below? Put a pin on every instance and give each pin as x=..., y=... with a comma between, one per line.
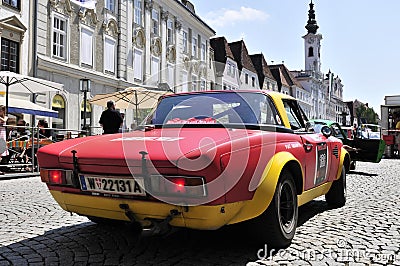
x=26, y=107
x=130, y=98
x=10, y=81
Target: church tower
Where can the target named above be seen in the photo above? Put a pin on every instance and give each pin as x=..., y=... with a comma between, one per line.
x=312, y=43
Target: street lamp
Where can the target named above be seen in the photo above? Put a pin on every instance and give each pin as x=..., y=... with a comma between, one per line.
x=84, y=85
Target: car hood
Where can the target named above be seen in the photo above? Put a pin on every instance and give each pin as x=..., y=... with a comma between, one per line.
x=164, y=147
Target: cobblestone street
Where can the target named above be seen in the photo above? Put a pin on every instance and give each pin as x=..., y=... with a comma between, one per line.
x=34, y=230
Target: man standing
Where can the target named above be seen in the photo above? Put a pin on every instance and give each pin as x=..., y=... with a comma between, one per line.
x=110, y=119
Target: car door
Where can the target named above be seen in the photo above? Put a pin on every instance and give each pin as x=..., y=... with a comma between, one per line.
x=368, y=150
x=316, y=160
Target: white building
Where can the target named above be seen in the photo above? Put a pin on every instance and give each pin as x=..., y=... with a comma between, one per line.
x=247, y=71
x=227, y=76
x=118, y=44
x=326, y=95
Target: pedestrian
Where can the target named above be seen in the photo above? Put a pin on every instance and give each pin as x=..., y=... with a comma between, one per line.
x=23, y=132
x=398, y=122
x=3, y=131
x=43, y=127
x=124, y=128
x=110, y=119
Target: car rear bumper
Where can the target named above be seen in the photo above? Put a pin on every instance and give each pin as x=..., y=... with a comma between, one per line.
x=195, y=217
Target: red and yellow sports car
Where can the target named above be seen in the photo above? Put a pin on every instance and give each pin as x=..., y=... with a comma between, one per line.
x=203, y=160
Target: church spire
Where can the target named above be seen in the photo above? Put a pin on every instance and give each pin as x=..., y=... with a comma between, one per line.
x=311, y=23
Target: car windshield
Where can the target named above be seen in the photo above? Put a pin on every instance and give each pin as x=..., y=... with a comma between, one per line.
x=215, y=108
x=369, y=131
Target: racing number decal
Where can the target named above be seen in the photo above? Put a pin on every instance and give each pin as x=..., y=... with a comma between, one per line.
x=321, y=163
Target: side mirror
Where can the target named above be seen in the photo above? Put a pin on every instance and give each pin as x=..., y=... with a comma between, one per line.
x=326, y=131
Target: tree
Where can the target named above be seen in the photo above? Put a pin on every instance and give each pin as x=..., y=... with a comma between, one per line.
x=366, y=115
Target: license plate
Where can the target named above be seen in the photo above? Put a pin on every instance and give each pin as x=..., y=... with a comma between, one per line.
x=121, y=186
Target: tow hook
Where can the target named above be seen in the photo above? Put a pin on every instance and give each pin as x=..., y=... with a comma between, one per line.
x=128, y=212
x=163, y=227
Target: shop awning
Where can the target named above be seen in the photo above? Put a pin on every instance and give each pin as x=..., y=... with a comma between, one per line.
x=27, y=107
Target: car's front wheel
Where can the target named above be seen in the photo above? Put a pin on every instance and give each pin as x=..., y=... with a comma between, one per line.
x=277, y=225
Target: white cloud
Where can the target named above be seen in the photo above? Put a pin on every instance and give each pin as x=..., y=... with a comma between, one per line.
x=229, y=17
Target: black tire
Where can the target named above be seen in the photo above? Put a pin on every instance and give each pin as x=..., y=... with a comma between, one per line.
x=277, y=225
x=336, y=196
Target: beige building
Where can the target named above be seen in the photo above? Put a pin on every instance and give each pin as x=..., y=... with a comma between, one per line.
x=115, y=45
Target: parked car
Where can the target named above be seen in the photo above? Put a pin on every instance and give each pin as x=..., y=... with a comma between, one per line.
x=366, y=145
x=203, y=160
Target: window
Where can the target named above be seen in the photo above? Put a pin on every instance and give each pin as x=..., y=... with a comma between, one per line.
x=194, y=47
x=203, y=84
x=184, y=81
x=246, y=78
x=185, y=42
x=9, y=55
x=194, y=83
x=171, y=76
x=170, y=31
x=138, y=64
x=253, y=81
x=110, y=5
x=203, y=52
x=155, y=69
x=155, y=18
x=225, y=108
x=295, y=114
x=310, y=52
x=138, y=12
x=59, y=37
x=12, y=3
x=58, y=104
x=86, y=47
x=109, y=55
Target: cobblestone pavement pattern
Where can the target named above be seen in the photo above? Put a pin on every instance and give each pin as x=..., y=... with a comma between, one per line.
x=35, y=231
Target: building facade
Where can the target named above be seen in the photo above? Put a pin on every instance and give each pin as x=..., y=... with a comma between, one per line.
x=115, y=45
x=248, y=74
x=265, y=77
x=324, y=95
x=227, y=76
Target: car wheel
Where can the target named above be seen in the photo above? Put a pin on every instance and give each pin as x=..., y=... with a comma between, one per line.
x=277, y=225
x=336, y=196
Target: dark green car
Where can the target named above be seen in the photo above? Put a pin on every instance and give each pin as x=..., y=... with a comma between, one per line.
x=365, y=144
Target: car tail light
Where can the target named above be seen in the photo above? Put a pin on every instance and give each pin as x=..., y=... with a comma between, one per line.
x=178, y=186
x=56, y=176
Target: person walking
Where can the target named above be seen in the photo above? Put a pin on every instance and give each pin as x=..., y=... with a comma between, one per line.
x=110, y=119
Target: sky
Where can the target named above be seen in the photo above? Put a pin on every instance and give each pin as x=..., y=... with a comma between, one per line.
x=361, y=38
